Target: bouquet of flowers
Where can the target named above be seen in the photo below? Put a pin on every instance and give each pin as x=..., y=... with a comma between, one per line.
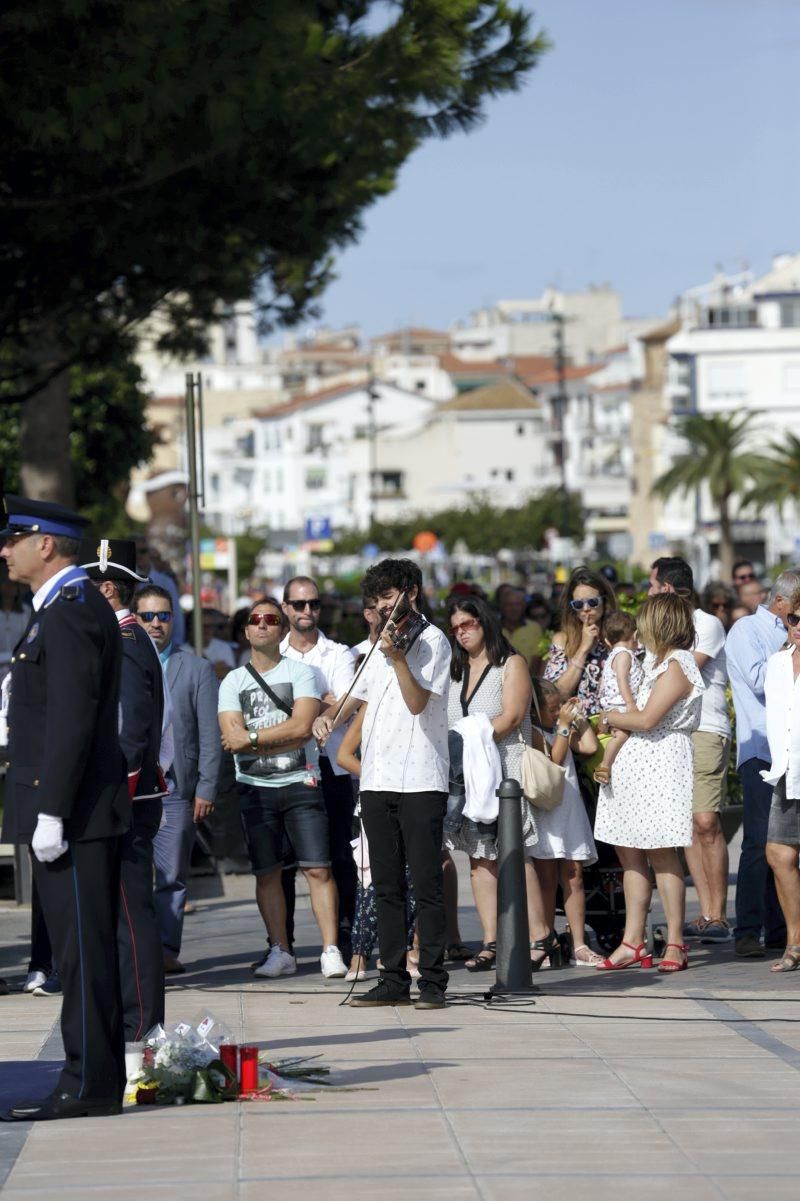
x=196, y=1063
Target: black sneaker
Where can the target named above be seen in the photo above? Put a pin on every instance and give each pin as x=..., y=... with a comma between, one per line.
x=381, y=994
x=430, y=997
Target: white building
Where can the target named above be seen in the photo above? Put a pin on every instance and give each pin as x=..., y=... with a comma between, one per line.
x=308, y=460
x=593, y=324
x=738, y=350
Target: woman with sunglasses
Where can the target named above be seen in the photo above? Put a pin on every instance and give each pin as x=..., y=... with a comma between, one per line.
x=488, y=676
x=577, y=653
x=718, y=600
x=783, y=734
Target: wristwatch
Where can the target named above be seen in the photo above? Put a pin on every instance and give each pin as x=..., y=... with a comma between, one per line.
x=253, y=736
x=563, y=731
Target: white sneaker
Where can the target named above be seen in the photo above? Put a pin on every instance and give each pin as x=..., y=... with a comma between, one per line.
x=356, y=974
x=35, y=980
x=332, y=964
x=277, y=963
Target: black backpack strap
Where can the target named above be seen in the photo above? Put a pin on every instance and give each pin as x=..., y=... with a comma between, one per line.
x=264, y=686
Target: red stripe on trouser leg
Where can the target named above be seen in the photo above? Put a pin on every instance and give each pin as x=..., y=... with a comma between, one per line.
x=139, y=1031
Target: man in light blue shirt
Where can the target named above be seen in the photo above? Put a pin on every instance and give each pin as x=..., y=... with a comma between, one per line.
x=749, y=645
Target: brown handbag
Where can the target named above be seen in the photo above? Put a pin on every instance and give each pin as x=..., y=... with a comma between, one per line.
x=542, y=779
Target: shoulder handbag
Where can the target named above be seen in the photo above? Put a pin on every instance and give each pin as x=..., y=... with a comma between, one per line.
x=542, y=779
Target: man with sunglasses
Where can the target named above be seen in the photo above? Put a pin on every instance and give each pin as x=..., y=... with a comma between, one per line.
x=742, y=572
x=266, y=711
x=333, y=668
x=192, y=778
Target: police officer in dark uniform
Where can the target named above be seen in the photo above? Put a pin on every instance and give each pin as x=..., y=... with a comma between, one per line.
x=66, y=795
x=111, y=566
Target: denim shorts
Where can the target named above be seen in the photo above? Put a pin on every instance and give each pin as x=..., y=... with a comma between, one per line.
x=270, y=816
x=784, y=817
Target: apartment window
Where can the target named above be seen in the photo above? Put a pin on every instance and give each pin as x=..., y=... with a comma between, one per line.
x=730, y=317
x=267, y=478
x=214, y=482
x=420, y=385
x=510, y=476
x=279, y=480
x=790, y=313
x=315, y=478
x=314, y=438
x=520, y=429
x=246, y=445
x=727, y=381
x=791, y=376
x=390, y=483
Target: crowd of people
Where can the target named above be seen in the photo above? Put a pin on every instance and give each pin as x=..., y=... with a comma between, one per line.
x=365, y=766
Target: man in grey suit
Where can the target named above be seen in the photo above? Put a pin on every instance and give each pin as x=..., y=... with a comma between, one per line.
x=192, y=779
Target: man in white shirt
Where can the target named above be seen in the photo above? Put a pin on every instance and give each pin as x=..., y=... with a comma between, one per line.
x=404, y=780
x=333, y=667
x=707, y=857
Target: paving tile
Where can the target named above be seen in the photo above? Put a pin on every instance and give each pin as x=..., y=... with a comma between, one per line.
x=606, y=1188
x=745, y=1188
x=120, y=1170
x=426, y=1187
x=737, y=1143
x=577, y=1143
x=317, y=1149
x=725, y=1084
x=130, y=1190
x=585, y=1083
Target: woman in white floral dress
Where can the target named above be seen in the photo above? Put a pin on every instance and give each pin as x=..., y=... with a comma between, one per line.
x=645, y=811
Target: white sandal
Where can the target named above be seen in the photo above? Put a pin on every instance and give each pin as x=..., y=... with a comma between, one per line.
x=593, y=958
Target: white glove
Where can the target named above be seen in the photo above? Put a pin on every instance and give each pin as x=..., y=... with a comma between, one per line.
x=48, y=838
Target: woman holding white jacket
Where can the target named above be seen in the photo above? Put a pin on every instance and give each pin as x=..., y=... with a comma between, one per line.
x=782, y=693
x=487, y=676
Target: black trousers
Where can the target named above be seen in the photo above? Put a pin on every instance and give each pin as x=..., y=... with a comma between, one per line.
x=407, y=827
x=141, y=956
x=340, y=803
x=79, y=897
x=41, y=959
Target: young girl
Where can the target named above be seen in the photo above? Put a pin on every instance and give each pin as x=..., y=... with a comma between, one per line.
x=365, y=922
x=619, y=683
x=565, y=834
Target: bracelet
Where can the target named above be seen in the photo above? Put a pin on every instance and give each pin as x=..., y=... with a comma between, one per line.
x=563, y=731
x=253, y=736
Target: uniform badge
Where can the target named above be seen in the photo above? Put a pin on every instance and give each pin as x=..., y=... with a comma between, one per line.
x=33, y=632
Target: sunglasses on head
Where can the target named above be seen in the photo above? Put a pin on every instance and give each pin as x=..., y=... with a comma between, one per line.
x=793, y=619
x=299, y=605
x=263, y=619
x=163, y=615
x=592, y=602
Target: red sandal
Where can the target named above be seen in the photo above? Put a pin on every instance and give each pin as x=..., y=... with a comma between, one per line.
x=666, y=966
x=639, y=960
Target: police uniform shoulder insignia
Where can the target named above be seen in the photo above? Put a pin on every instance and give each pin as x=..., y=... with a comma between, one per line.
x=128, y=634
x=70, y=592
x=33, y=632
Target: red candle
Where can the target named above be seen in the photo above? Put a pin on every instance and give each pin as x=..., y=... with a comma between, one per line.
x=248, y=1069
x=228, y=1053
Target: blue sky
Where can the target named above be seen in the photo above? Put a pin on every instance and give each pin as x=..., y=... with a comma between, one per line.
x=656, y=140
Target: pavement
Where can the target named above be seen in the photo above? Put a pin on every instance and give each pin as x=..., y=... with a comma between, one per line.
x=604, y=1087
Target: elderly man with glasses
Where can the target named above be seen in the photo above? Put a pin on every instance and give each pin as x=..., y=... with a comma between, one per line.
x=192, y=778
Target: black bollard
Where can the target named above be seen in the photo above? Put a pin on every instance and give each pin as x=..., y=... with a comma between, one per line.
x=513, y=942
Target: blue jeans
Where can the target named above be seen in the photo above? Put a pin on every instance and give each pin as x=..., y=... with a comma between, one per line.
x=757, y=905
x=172, y=852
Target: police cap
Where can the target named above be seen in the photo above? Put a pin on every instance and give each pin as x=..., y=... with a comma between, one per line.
x=25, y=516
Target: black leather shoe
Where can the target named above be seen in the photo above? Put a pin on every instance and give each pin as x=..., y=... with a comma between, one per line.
x=430, y=998
x=381, y=994
x=61, y=1105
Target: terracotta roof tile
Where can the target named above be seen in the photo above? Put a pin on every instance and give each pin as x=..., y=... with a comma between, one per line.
x=501, y=396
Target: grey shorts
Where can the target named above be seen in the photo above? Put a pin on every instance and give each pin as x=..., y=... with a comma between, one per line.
x=784, y=817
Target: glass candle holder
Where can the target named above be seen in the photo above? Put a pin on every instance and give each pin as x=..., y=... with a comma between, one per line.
x=248, y=1069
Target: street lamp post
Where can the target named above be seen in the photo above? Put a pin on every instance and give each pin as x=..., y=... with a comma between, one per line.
x=560, y=409
x=372, y=430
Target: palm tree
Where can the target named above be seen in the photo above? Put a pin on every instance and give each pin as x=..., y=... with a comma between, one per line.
x=717, y=459
x=779, y=476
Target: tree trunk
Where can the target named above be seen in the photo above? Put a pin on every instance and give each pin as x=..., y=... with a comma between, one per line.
x=45, y=462
x=726, y=547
